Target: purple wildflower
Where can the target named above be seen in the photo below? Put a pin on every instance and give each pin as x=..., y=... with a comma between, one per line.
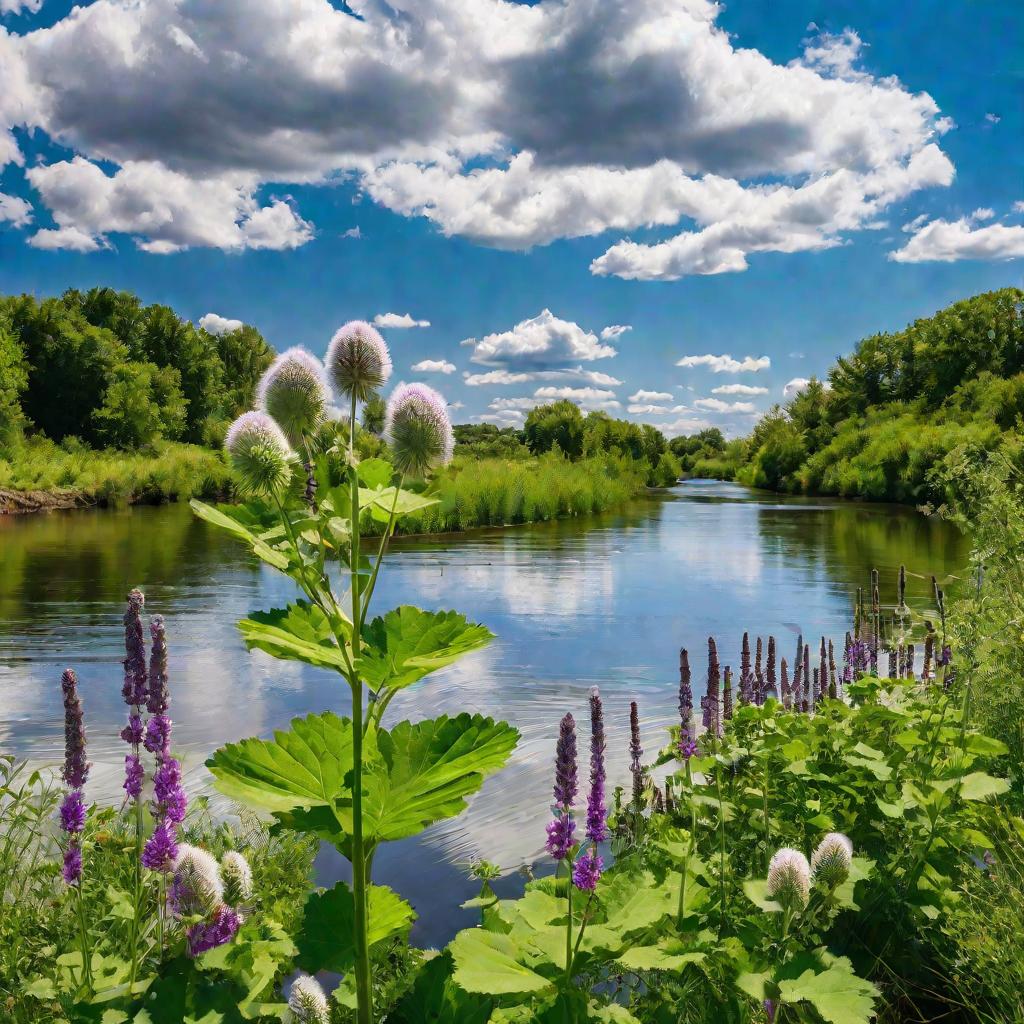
x=158, y=735
x=597, y=812
x=72, y=812
x=159, y=696
x=946, y=657
x=784, y=689
x=561, y=835
x=133, y=732
x=134, y=691
x=76, y=768
x=770, y=678
x=769, y=1009
x=688, y=748
x=587, y=870
x=685, y=696
x=161, y=848
x=72, y=870
x=709, y=702
x=221, y=928
x=133, y=775
x=565, y=763
x=636, y=752
x=727, y=693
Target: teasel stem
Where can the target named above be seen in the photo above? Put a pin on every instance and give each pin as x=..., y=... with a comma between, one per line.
x=787, y=697
x=727, y=695
x=901, y=591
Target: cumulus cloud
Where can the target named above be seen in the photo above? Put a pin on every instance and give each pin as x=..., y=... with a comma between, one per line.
x=983, y=213
x=70, y=238
x=993, y=118
x=14, y=211
x=738, y=389
x=352, y=233
x=1018, y=206
x=503, y=418
x=651, y=396
x=641, y=409
x=726, y=363
x=717, y=405
x=797, y=384
x=509, y=124
x=571, y=373
x=684, y=425
x=614, y=331
x=398, y=320
x=538, y=343
x=434, y=366
x=586, y=398
x=164, y=210
x=214, y=323
x=948, y=241
x=17, y=6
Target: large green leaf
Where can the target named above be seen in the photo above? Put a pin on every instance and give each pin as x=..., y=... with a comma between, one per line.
x=381, y=500
x=427, y=770
x=300, y=632
x=980, y=786
x=249, y=523
x=435, y=999
x=304, y=766
x=375, y=473
x=409, y=643
x=836, y=993
x=325, y=940
x=493, y=964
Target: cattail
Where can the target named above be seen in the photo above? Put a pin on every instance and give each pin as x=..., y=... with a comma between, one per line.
x=597, y=812
x=787, y=693
x=307, y=1001
x=294, y=391
x=561, y=831
x=636, y=752
x=259, y=454
x=418, y=429
x=789, y=879
x=358, y=360
x=237, y=876
x=831, y=861
x=727, y=695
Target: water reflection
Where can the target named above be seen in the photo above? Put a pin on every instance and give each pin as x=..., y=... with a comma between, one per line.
x=605, y=602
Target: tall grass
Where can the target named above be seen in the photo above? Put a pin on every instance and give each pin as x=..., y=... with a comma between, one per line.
x=166, y=472
x=504, y=492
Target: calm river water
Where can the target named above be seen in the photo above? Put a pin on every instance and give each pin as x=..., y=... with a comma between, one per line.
x=603, y=602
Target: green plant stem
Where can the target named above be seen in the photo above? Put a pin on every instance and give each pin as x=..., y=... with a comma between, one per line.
x=382, y=549
x=568, y=926
x=723, y=906
x=681, y=912
x=139, y=824
x=83, y=932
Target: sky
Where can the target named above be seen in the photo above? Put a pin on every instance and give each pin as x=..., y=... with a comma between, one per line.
x=672, y=210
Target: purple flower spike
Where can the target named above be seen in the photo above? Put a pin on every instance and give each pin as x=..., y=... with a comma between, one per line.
x=565, y=763
x=561, y=836
x=133, y=732
x=159, y=696
x=158, y=735
x=72, y=869
x=685, y=695
x=72, y=812
x=161, y=848
x=688, y=748
x=769, y=1009
x=134, y=691
x=207, y=935
x=76, y=768
x=597, y=812
x=133, y=775
x=587, y=870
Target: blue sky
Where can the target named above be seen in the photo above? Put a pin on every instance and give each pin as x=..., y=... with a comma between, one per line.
x=748, y=181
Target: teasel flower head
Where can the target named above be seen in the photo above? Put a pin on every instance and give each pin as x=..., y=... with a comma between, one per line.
x=221, y=928
x=237, y=876
x=727, y=694
x=587, y=870
x=685, y=696
x=294, y=391
x=789, y=879
x=159, y=699
x=260, y=454
x=76, y=768
x=418, y=429
x=597, y=811
x=307, y=1001
x=135, y=690
x=358, y=360
x=196, y=888
x=831, y=861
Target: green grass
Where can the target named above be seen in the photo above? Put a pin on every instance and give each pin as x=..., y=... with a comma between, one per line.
x=167, y=472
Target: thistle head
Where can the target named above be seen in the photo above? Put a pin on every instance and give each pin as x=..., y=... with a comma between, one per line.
x=789, y=879
x=237, y=875
x=259, y=454
x=831, y=861
x=358, y=360
x=308, y=1002
x=294, y=391
x=196, y=888
x=418, y=429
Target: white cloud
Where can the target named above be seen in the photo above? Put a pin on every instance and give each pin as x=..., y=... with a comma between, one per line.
x=538, y=343
x=510, y=124
x=983, y=213
x=214, y=323
x=948, y=241
x=398, y=321
x=16, y=6
x=456, y=405
x=352, y=233
x=589, y=398
x=164, y=210
x=14, y=211
x=642, y=409
x=738, y=389
x=717, y=405
x=726, y=363
x=70, y=238
x=576, y=373
x=614, y=331
x=434, y=366
x=651, y=396
x=1018, y=206
x=797, y=384
x=684, y=425
x=503, y=418
x=993, y=118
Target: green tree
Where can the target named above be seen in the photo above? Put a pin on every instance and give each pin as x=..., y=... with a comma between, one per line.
x=13, y=382
x=244, y=355
x=373, y=414
x=560, y=423
x=130, y=415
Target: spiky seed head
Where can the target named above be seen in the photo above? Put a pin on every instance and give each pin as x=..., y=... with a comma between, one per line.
x=358, y=360
x=789, y=879
x=237, y=877
x=294, y=391
x=308, y=1002
x=831, y=861
x=196, y=888
x=418, y=429
x=259, y=453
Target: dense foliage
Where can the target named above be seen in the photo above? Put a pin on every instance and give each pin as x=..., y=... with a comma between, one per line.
x=892, y=416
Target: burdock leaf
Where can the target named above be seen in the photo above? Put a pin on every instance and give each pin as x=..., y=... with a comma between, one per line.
x=374, y=473
x=979, y=786
x=409, y=643
x=304, y=766
x=836, y=993
x=246, y=522
x=435, y=999
x=493, y=964
x=325, y=939
x=756, y=890
x=427, y=770
x=300, y=632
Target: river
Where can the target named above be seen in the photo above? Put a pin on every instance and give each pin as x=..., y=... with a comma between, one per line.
x=606, y=602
